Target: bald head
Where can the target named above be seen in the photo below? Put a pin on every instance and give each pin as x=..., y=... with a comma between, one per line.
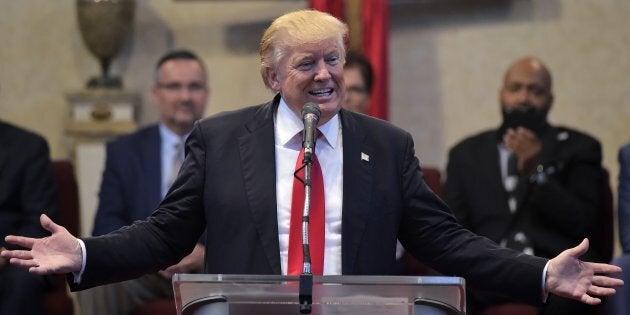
x=531, y=65
x=527, y=83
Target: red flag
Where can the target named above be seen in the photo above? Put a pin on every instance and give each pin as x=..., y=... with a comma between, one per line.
x=375, y=23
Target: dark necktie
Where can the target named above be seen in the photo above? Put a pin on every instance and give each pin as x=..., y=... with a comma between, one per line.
x=516, y=239
x=316, y=220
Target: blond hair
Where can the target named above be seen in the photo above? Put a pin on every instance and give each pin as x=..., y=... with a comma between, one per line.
x=297, y=28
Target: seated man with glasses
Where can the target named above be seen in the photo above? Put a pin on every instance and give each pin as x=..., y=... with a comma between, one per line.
x=140, y=168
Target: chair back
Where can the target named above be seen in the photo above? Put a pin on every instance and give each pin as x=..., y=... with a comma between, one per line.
x=433, y=178
x=604, y=234
x=68, y=195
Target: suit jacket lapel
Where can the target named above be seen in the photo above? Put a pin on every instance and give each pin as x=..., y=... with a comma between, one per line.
x=357, y=188
x=489, y=162
x=257, y=153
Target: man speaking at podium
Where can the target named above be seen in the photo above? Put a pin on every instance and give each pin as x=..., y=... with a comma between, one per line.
x=237, y=181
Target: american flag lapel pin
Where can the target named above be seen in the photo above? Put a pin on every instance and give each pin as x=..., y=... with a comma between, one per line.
x=365, y=157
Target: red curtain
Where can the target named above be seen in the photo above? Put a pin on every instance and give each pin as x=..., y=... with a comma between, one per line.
x=375, y=23
x=334, y=7
x=375, y=45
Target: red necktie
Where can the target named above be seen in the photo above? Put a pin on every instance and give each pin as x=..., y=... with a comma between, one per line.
x=316, y=220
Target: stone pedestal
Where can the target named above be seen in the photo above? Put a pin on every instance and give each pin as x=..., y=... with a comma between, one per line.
x=96, y=116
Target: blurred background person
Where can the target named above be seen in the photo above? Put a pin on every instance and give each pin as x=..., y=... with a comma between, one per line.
x=27, y=189
x=528, y=185
x=620, y=304
x=358, y=76
x=139, y=170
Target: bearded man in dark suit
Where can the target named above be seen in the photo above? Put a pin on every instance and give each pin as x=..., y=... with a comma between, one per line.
x=528, y=185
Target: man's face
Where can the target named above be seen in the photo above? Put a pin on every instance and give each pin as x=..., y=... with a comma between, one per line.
x=357, y=96
x=181, y=94
x=526, y=86
x=311, y=73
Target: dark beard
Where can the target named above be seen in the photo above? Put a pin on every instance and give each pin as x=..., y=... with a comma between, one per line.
x=528, y=117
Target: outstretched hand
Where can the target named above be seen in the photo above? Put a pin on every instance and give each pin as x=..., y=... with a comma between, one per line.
x=55, y=254
x=569, y=277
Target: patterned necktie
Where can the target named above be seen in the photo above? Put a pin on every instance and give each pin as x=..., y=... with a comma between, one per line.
x=511, y=182
x=176, y=162
x=316, y=220
x=516, y=239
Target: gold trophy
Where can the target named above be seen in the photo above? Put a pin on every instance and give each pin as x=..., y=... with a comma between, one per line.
x=105, y=26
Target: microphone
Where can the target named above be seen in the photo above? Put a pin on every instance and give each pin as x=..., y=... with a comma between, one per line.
x=310, y=118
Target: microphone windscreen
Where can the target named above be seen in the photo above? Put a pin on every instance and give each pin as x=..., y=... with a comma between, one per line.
x=311, y=108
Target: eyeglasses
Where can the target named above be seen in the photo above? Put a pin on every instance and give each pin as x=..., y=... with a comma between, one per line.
x=176, y=87
x=355, y=89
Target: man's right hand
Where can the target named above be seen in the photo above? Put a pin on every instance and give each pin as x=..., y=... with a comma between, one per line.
x=526, y=146
x=58, y=253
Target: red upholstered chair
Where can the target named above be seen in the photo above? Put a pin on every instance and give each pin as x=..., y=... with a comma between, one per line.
x=57, y=301
x=604, y=237
x=156, y=307
x=510, y=309
x=433, y=178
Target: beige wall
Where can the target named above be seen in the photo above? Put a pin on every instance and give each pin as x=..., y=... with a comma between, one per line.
x=446, y=62
x=42, y=55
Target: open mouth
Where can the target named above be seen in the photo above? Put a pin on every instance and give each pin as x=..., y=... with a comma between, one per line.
x=322, y=92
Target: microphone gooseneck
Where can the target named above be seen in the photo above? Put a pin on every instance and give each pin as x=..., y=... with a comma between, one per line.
x=310, y=118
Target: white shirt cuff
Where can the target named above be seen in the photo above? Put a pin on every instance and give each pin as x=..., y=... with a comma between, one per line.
x=545, y=294
x=79, y=275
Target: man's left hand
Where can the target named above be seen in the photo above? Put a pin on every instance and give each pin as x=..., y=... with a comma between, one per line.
x=569, y=277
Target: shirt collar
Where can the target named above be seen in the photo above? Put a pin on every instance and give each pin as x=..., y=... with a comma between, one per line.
x=170, y=138
x=288, y=125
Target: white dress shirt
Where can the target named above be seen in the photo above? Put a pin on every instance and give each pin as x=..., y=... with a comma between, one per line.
x=288, y=142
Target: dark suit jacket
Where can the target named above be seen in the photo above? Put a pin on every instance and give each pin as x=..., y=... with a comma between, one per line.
x=27, y=183
x=227, y=184
x=555, y=215
x=130, y=188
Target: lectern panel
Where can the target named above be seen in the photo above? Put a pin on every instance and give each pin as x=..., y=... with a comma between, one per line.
x=263, y=294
